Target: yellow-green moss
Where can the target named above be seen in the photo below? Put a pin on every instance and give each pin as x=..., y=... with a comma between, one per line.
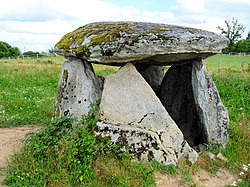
x=82, y=50
x=59, y=98
x=104, y=32
x=103, y=38
x=191, y=30
x=159, y=28
x=57, y=106
x=65, y=75
x=101, y=33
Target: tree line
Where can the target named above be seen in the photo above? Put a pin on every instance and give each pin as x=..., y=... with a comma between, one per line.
x=233, y=31
x=6, y=50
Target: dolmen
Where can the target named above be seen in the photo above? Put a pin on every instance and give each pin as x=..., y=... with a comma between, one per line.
x=151, y=113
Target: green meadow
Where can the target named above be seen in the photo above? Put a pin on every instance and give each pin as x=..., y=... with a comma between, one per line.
x=27, y=94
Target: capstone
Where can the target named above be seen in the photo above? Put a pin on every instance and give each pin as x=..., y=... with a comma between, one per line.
x=117, y=43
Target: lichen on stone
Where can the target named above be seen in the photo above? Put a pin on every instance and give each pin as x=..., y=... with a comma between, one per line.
x=119, y=42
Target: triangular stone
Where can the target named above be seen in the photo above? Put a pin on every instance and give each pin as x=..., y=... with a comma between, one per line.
x=132, y=115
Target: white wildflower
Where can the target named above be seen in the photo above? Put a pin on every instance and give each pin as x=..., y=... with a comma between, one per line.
x=242, y=173
x=234, y=183
x=245, y=167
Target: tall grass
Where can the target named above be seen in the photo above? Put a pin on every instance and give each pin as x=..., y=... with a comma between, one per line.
x=28, y=91
x=235, y=93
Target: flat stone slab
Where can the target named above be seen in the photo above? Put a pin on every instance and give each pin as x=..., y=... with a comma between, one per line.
x=116, y=43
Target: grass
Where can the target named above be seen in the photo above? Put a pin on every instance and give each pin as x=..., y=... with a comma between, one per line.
x=27, y=94
x=28, y=90
x=227, y=63
x=65, y=154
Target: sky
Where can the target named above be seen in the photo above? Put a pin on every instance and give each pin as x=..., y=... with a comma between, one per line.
x=37, y=25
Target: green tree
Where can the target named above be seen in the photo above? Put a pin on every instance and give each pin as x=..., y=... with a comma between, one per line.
x=30, y=53
x=233, y=31
x=52, y=51
x=242, y=46
x=6, y=50
x=248, y=36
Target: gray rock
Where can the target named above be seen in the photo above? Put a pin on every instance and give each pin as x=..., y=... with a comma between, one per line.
x=211, y=155
x=176, y=95
x=212, y=114
x=129, y=104
x=143, y=144
x=153, y=74
x=202, y=147
x=221, y=157
x=78, y=87
x=116, y=43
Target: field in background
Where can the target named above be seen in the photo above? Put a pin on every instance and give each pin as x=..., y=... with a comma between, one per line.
x=28, y=86
x=28, y=89
x=228, y=63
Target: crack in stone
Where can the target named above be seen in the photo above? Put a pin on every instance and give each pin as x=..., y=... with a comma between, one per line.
x=145, y=117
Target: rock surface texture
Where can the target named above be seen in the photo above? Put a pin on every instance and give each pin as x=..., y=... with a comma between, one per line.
x=120, y=42
x=78, y=87
x=154, y=116
x=153, y=74
x=176, y=95
x=132, y=114
x=212, y=114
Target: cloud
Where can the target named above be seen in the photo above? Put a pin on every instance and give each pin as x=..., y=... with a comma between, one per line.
x=25, y=11
x=44, y=22
x=185, y=6
x=48, y=27
x=208, y=14
x=37, y=23
x=31, y=41
x=240, y=2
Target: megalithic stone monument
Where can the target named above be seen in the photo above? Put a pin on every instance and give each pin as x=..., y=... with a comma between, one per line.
x=155, y=116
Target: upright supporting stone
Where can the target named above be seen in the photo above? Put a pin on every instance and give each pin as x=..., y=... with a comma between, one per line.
x=153, y=74
x=213, y=116
x=176, y=95
x=78, y=87
x=134, y=117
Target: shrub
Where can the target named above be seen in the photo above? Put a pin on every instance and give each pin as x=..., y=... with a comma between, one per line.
x=7, y=51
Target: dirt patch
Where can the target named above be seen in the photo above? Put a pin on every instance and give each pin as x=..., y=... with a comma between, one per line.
x=201, y=179
x=10, y=142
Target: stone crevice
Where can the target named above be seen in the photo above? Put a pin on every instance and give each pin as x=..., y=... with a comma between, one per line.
x=145, y=117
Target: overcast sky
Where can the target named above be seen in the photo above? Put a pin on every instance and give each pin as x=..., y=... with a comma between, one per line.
x=37, y=25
